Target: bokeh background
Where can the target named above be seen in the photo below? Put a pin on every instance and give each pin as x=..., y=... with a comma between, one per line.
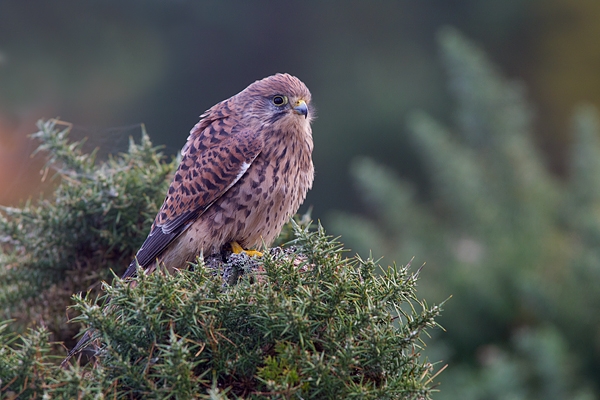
x=109, y=66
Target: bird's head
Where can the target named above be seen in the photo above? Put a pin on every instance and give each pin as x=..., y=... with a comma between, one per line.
x=278, y=99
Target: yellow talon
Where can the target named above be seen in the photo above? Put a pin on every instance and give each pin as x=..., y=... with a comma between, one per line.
x=237, y=249
x=254, y=253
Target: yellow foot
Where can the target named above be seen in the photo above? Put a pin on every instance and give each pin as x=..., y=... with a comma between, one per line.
x=237, y=249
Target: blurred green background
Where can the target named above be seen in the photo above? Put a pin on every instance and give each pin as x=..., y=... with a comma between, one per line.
x=105, y=65
x=522, y=322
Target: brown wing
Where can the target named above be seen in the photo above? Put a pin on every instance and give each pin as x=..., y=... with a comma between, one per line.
x=215, y=157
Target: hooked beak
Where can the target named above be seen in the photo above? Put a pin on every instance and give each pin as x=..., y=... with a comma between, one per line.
x=301, y=108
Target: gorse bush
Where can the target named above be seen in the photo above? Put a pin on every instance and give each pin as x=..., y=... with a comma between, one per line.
x=308, y=324
x=97, y=217
x=301, y=322
x=312, y=324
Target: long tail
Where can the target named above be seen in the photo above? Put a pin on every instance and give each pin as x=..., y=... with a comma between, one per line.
x=82, y=345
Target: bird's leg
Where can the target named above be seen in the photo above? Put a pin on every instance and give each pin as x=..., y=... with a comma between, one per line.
x=237, y=249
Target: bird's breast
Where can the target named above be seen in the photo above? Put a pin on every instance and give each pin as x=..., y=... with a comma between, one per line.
x=254, y=210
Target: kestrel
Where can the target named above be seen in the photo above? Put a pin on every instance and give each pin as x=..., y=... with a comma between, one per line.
x=245, y=170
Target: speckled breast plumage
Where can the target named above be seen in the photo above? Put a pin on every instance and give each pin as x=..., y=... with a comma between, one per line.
x=254, y=210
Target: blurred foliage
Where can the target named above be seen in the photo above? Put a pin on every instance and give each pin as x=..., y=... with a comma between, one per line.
x=562, y=69
x=312, y=324
x=516, y=247
x=98, y=216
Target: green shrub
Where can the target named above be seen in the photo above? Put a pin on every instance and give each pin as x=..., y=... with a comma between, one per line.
x=98, y=216
x=301, y=322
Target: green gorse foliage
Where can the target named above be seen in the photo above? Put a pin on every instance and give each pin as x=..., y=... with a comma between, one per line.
x=23, y=361
x=311, y=324
x=301, y=322
x=98, y=215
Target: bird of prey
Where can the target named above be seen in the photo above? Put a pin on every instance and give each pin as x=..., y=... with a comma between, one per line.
x=245, y=170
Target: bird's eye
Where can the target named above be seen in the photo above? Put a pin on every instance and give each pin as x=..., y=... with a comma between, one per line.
x=279, y=100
